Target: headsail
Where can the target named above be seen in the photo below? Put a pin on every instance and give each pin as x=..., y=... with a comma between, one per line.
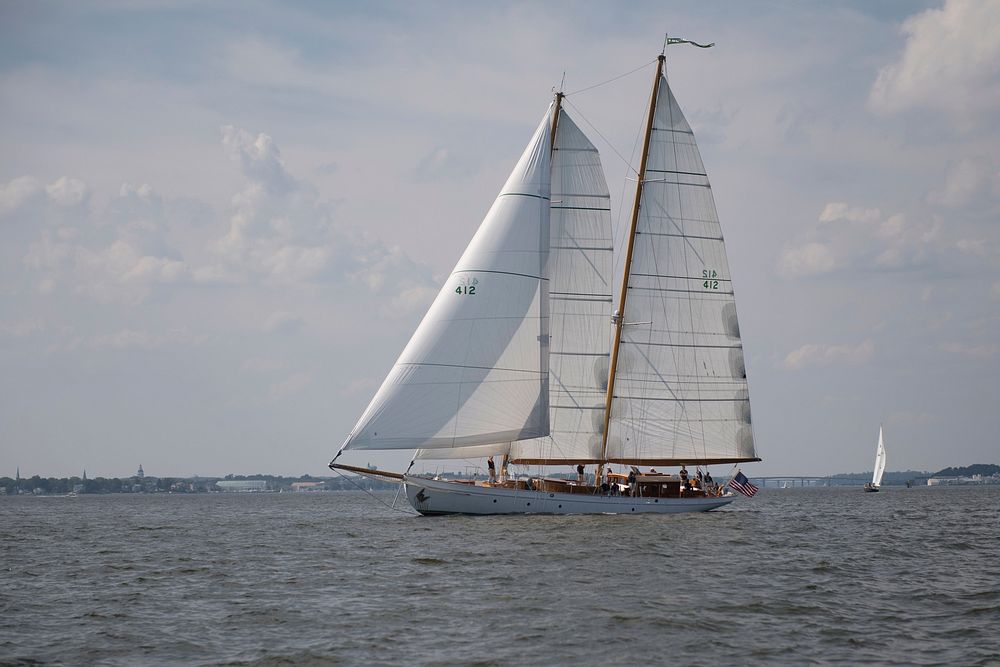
x=680, y=392
x=879, y=461
x=580, y=285
x=476, y=370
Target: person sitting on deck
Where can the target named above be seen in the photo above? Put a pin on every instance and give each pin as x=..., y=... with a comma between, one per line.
x=493, y=470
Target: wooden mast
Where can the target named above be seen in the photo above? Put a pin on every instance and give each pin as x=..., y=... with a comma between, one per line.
x=619, y=317
x=555, y=121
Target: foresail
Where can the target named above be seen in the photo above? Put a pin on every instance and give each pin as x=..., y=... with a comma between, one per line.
x=580, y=284
x=680, y=392
x=476, y=370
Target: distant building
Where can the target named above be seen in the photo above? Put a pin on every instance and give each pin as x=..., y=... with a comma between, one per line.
x=139, y=473
x=301, y=487
x=242, y=485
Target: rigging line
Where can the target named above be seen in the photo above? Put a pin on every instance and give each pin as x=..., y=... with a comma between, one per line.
x=374, y=497
x=610, y=145
x=604, y=83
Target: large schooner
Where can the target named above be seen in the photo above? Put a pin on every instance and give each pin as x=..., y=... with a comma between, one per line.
x=516, y=359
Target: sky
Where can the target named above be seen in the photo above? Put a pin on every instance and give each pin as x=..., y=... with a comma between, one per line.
x=221, y=222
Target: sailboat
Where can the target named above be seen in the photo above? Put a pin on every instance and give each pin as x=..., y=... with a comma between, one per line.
x=876, y=482
x=526, y=353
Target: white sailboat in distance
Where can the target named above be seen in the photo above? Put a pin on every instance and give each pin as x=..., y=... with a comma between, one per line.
x=876, y=482
x=527, y=355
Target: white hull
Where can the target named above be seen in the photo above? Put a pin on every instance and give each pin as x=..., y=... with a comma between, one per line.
x=432, y=497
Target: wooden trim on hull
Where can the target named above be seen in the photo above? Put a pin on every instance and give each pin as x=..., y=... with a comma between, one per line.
x=634, y=462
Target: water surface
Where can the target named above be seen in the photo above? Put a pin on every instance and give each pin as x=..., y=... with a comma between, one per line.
x=799, y=576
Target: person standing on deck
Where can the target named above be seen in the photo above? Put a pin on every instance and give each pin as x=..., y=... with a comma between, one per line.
x=632, y=486
x=684, y=477
x=579, y=474
x=493, y=470
x=504, y=467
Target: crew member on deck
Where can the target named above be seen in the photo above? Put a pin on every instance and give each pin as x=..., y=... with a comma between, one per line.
x=632, y=486
x=684, y=477
x=579, y=474
x=493, y=470
x=504, y=467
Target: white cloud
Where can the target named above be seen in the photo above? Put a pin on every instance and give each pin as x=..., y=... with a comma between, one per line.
x=17, y=192
x=985, y=351
x=147, y=340
x=67, y=191
x=808, y=259
x=282, y=322
x=290, y=386
x=842, y=211
x=969, y=182
x=258, y=157
x=264, y=365
x=951, y=62
x=824, y=355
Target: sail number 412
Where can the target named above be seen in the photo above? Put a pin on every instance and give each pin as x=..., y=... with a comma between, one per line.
x=466, y=285
x=708, y=275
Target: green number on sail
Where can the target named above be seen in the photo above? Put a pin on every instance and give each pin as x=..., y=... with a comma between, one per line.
x=710, y=284
x=465, y=289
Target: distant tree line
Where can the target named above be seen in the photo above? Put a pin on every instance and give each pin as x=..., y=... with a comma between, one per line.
x=63, y=485
x=984, y=469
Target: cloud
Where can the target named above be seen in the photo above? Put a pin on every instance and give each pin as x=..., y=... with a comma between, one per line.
x=985, y=351
x=147, y=340
x=67, y=191
x=970, y=182
x=17, y=193
x=808, y=259
x=290, y=386
x=950, y=63
x=258, y=157
x=282, y=322
x=842, y=211
x=825, y=355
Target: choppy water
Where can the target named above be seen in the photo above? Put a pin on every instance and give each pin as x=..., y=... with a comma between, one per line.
x=906, y=576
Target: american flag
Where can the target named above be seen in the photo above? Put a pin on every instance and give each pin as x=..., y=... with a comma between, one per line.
x=743, y=485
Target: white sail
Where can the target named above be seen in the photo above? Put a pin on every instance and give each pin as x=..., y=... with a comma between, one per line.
x=680, y=392
x=879, y=461
x=470, y=452
x=476, y=370
x=580, y=297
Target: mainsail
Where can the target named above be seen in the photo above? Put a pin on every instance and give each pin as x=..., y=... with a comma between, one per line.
x=476, y=370
x=879, y=461
x=680, y=390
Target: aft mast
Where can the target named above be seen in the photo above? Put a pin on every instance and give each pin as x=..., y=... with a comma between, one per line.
x=619, y=316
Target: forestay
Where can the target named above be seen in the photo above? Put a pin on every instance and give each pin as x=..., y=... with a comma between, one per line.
x=476, y=370
x=680, y=392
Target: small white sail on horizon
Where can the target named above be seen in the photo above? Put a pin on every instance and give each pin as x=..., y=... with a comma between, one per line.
x=879, y=461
